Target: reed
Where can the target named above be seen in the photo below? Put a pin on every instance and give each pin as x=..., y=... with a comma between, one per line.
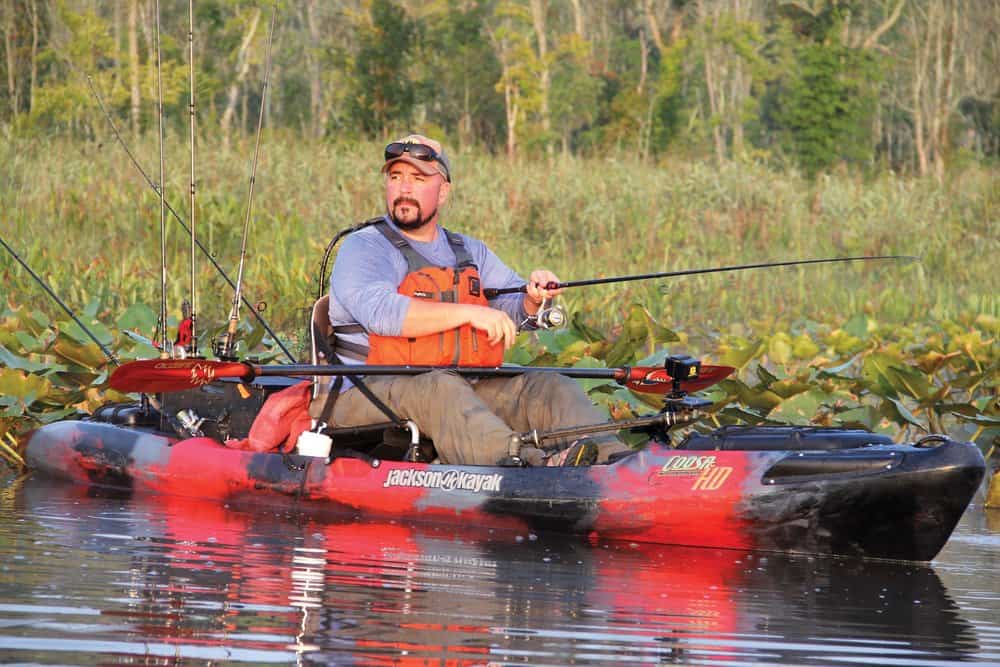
x=79, y=214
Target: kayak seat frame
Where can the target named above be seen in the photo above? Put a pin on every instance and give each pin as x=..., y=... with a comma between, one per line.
x=384, y=440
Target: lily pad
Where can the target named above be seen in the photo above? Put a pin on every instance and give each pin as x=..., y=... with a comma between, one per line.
x=11, y=360
x=801, y=408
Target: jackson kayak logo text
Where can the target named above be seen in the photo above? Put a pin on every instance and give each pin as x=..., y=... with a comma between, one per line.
x=708, y=475
x=449, y=480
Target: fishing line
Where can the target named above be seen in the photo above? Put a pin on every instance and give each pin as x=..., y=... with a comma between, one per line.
x=107, y=352
x=177, y=217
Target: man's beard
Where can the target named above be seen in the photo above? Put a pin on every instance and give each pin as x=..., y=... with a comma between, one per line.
x=415, y=224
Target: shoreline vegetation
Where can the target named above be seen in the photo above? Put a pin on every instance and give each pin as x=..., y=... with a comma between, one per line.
x=899, y=347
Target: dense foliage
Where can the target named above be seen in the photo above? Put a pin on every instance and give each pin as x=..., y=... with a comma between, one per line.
x=908, y=84
x=595, y=138
x=900, y=347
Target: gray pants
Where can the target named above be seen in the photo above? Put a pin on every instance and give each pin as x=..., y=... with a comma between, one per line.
x=471, y=423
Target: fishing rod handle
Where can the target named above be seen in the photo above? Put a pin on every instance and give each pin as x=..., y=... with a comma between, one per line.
x=493, y=292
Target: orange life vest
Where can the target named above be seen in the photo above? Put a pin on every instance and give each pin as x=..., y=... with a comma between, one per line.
x=463, y=346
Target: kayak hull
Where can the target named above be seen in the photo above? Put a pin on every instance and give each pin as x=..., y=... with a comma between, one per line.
x=879, y=500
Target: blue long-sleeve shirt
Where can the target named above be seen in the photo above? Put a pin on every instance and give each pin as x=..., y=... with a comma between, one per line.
x=368, y=271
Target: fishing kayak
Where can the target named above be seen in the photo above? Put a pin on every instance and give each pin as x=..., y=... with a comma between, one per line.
x=787, y=489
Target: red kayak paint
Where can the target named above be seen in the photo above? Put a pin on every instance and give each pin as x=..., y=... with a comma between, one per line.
x=886, y=501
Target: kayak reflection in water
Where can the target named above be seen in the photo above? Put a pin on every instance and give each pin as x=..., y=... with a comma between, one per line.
x=195, y=579
x=406, y=291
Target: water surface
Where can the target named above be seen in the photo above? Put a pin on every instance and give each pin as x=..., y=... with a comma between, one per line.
x=91, y=580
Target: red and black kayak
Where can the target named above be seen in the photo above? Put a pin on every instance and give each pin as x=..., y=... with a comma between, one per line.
x=790, y=489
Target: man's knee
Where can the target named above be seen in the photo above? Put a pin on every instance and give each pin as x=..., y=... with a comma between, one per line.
x=437, y=384
x=544, y=384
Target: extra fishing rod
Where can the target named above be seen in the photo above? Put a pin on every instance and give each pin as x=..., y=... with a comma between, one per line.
x=38, y=279
x=192, y=317
x=164, y=353
x=177, y=217
x=494, y=292
x=225, y=349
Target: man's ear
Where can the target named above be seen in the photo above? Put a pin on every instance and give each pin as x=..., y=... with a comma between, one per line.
x=443, y=193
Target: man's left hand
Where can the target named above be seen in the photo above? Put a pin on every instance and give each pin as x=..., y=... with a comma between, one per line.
x=536, y=291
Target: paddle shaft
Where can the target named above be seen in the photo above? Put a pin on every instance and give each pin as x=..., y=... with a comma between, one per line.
x=349, y=370
x=494, y=292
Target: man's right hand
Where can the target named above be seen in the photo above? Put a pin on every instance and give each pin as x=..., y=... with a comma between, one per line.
x=497, y=324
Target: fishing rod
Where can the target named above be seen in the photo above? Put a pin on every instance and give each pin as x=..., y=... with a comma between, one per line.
x=192, y=318
x=167, y=375
x=225, y=348
x=177, y=217
x=494, y=292
x=164, y=353
x=38, y=279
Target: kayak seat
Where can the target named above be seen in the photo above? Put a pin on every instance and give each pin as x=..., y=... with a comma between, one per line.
x=384, y=441
x=787, y=438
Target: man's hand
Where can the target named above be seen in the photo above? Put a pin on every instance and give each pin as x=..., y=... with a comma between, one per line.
x=536, y=292
x=496, y=323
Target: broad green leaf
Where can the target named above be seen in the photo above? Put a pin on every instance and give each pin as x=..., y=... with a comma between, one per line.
x=11, y=360
x=875, y=371
x=767, y=378
x=519, y=355
x=87, y=355
x=803, y=347
x=779, y=348
x=25, y=386
x=73, y=330
x=584, y=330
x=790, y=387
x=910, y=381
x=864, y=416
x=139, y=317
x=761, y=400
x=573, y=353
x=859, y=326
x=634, y=334
x=933, y=361
x=799, y=409
x=739, y=357
x=903, y=414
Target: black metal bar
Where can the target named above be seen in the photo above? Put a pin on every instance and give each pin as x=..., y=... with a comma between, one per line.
x=494, y=292
x=465, y=371
x=661, y=419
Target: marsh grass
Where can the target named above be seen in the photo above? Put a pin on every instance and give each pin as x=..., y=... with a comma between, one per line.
x=82, y=217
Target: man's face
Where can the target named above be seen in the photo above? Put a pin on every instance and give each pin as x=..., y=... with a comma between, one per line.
x=413, y=198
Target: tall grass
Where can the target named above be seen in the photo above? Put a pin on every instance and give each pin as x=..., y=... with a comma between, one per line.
x=82, y=217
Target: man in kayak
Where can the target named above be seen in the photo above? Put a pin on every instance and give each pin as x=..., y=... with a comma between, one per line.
x=404, y=290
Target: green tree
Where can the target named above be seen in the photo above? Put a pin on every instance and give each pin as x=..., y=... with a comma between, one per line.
x=823, y=103
x=384, y=93
x=575, y=91
x=462, y=70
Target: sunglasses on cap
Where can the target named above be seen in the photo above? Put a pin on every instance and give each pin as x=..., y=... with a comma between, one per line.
x=420, y=152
